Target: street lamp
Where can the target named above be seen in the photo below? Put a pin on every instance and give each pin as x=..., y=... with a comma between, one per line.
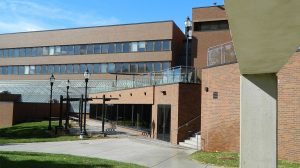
x=86, y=77
x=52, y=79
x=188, y=29
x=68, y=83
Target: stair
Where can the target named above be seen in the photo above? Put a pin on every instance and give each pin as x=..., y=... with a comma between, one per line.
x=192, y=142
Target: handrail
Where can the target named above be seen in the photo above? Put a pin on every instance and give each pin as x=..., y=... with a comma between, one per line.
x=217, y=46
x=187, y=123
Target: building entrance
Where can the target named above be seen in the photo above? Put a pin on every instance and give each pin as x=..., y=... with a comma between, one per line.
x=163, y=122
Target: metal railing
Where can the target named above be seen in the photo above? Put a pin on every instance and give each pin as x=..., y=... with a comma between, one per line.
x=221, y=54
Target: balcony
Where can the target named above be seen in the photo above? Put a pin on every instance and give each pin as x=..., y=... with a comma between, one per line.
x=221, y=54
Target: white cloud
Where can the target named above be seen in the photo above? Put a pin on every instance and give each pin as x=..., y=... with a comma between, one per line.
x=19, y=16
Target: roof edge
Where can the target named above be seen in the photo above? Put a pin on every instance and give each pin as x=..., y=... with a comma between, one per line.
x=88, y=27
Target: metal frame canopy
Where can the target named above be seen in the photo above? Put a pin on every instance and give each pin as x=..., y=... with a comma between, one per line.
x=265, y=33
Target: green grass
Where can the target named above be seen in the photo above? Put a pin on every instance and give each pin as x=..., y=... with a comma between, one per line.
x=32, y=132
x=231, y=159
x=39, y=160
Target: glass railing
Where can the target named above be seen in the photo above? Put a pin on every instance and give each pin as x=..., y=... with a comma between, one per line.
x=178, y=74
x=221, y=54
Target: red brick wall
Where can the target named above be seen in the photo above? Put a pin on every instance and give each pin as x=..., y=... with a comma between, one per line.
x=6, y=114
x=189, y=110
x=220, y=118
x=289, y=110
x=26, y=112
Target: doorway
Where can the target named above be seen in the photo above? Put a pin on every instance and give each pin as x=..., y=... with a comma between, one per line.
x=163, y=122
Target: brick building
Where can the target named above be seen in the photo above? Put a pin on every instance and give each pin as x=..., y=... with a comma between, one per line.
x=220, y=99
x=138, y=67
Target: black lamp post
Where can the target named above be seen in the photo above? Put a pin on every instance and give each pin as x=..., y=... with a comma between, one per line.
x=68, y=83
x=52, y=79
x=86, y=77
x=188, y=28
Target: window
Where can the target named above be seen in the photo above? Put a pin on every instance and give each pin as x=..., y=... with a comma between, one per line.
x=149, y=46
x=211, y=25
x=39, y=51
x=69, y=68
x=82, y=68
x=38, y=69
x=34, y=52
x=76, y=68
x=50, y=69
x=82, y=49
x=76, y=49
x=148, y=67
x=96, y=68
x=104, y=48
x=133, y=68
x=103, y=68
x=21, y=70
x=16, y=53
x=15, y=70
x=118, y=67
x=157, y=46
x=111, y=48
x=71, y=50
x=56, y=69
x=165, y=65
x=9, y=70
x=90, y=67
x=1, y=53
x=63, y=69
x=44, y=69
x=5, y=53
x=26, y=71
x=141, y=68
x=90, y=49
x=126, y=47
x=11, y=52
x=134, y=47
x=64, y=50
x=97, y=49
x=4, y=71
x=166, y=45
x=51, y=50
x=125, y=67
x=118, y=47
x=32, y=69
x=157, y=66
x=111, y=68
x=142, y=46
x=28, y=52
x=57, y=50
x=45, y=50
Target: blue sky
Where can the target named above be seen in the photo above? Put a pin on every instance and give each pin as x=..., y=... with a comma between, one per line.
x=32, y=15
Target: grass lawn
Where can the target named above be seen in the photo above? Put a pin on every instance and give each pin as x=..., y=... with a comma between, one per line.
x=39, y=160
x=32, y=132
x=229, y=159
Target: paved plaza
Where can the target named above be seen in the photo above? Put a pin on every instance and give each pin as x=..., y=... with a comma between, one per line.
x=142, y=151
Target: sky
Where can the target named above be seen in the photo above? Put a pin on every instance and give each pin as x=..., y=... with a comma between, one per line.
x=35, y=15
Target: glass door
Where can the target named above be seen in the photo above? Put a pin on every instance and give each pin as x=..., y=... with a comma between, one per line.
x=163, y=122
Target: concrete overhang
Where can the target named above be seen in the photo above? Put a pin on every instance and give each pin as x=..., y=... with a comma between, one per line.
x=265, y=33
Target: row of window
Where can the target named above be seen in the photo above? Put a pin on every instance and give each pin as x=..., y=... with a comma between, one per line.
x=140, y=67
x=211, y=25
x=125, y=47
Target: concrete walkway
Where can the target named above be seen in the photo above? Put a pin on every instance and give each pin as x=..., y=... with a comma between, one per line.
x=141, y=151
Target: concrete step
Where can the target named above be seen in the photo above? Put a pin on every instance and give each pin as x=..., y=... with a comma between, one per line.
x=187, y=145
x=192, y=142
